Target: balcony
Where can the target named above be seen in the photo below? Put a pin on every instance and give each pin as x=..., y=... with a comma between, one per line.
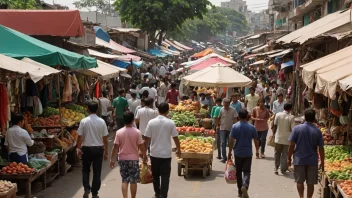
x=305, y=8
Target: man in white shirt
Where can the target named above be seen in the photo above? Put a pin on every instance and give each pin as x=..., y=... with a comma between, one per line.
x=105, y=105
x=278, y=105
x=145, y=114
x=92, y=144
x=258, y=88
x=159, y=132
x=251, y=100
x=283, y=125
x=164, y=84
x=153, y=93
x=133, y=103
x=162, y=71
x=17, y=139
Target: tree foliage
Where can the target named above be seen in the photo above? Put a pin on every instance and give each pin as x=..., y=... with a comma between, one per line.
x=20, y=4
x=217, y=20
x=160, y=15
x=99, y=5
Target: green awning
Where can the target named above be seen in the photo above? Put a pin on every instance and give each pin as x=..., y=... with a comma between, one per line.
x=18, y=45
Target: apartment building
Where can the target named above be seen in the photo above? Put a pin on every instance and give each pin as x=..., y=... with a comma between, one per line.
x=238, y=5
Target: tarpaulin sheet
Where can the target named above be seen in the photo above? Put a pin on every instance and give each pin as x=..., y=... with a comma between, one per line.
x=100, y=33
x=123, y=64
x=18, y=45
x=27, y=66
x=174, y=45
x=203, y=53
x=114, y=46
x=157, y=53
x=44, y=22
x=183, y=46
x=207, y=63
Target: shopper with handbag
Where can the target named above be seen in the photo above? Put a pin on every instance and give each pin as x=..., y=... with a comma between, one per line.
x=260, y=116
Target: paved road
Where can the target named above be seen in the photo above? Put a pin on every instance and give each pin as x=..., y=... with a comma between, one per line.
x=264, y=183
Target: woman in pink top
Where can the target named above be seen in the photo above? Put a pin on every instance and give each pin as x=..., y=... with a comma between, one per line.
x=129, y=140
x=261, y=115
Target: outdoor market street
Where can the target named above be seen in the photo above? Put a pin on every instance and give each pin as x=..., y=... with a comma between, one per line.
x=264, y=183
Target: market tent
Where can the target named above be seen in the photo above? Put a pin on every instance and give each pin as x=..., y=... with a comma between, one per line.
x=258, y=62
x=287, y=64
x=157, y=53
x=102, y=55
x=346, y=83
x=203, y=53
x=174, y=45
x=250, y=56
x=100, y=33
x=330, y=61
x=332, y=23
x=191, y=63
x=125, y=64
x=114, y=46
x=128, y=57
x=27, y=66
x=218, y=75
x=280, y=53
x=264, y=47
x=183, y=46
x=44, y=22
x=105, y=70
x=18, y=45
x=171, y=52
x=208, y=62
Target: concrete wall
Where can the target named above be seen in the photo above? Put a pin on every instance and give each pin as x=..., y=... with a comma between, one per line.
x=103, y=20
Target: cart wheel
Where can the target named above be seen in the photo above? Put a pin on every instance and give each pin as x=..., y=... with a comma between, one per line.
x=185, y=173
x=205, y=169
x=209, y=170
x=179, y=169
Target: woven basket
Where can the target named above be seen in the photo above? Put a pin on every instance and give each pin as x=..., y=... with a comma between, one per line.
x=206, y=125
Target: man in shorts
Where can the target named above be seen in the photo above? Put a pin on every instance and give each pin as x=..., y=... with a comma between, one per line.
x=129, y=140
x=306, y=139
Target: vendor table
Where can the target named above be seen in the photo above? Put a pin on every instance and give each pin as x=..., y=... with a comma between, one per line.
x=28, y=179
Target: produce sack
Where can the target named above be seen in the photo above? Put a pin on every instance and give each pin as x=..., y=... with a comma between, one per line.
x=145, y=174
x=230, y=173
x=271, y=141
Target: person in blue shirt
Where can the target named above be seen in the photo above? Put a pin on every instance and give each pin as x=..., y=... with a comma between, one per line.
x=306, y=139
x=236, y=103
x=243, y=133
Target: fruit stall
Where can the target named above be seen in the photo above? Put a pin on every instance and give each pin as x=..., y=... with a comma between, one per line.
x=336, y=179
x=196, y=155
x=7, y=189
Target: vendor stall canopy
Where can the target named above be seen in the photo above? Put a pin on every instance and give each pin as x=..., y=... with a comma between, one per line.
x=217, y=75
x=99, y=32
x=26, y=66
x=332, y=23
x=63, y=23
x=18, y=45
x=213, y=55
x=113, y=46
x=105, y=70
x=203, y=53
x=329, y=71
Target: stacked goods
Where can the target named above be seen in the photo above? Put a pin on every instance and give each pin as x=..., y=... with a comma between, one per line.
x=53, y=120
x=196, y=145
x=209, y=133
x=6, y=186
x=186, y=105
x=71, y=117
x=49, y=112
x=38, y=164
x=334, y=135
x=346, y=186
x=338, y=163
x=205, y=91
x=184, y=119
x=14, y=169
x=77, y=108
x=195, y=130
x=74, y=134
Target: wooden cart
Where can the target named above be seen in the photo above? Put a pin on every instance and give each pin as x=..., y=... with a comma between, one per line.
x=195, y=161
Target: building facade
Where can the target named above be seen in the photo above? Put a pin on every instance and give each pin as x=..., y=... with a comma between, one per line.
x=238, y=5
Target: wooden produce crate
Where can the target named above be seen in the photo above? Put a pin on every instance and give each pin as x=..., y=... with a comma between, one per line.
x=196, y=155
x=11, y=193
x=195, y=161
x=341, y=192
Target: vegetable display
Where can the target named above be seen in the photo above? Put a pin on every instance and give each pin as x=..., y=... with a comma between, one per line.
x=196, y=144
x=347, y=187
x=184, y=119
x=14, y=169
x=49, y=112
x=186, y=105
x=5, y=186
x=38, y=163
x=190, y=129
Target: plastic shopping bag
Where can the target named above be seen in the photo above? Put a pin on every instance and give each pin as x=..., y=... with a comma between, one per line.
x=230, y=173
x=145, y=174
x=271, y=141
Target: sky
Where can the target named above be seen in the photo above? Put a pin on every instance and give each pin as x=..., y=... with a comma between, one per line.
x=253, y=5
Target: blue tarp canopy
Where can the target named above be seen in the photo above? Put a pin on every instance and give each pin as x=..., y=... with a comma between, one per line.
x=100, y=33
x=157, y=53
x=123, y=64
x=287, y=64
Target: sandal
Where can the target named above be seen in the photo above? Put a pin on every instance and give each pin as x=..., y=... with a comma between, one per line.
x=262, y=155
x=257, y=155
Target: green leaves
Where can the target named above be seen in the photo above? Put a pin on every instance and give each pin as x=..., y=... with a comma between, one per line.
x=20, y=4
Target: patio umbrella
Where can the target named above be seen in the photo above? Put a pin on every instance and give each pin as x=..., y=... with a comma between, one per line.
x=217, y=75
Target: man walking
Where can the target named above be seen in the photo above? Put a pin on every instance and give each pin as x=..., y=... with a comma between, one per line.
x=251, y=100
x=92, y=144
x=278, y=105
x=159, y=132
x=283, y=125
x=306, y=139
x=121, y=106
x=214, y=114
x=105, y=106
x=128, y=140
x=236, y=103
x=228, y=116
x=134, y=102
x=173, y=95
x=243, y=133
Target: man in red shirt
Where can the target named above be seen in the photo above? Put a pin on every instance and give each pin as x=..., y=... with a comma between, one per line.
x=172, y=96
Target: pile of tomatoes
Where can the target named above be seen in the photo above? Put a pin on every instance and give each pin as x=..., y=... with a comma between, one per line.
x=190, y=129
x=14, y=169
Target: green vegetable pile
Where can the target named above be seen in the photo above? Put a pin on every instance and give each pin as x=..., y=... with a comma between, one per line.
x=334, y=153
x=38, y=163
x=203, y=139
x=203, y=111
x=184, y=119
x=341, y=175
x=50, y=111
x=77, y=108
